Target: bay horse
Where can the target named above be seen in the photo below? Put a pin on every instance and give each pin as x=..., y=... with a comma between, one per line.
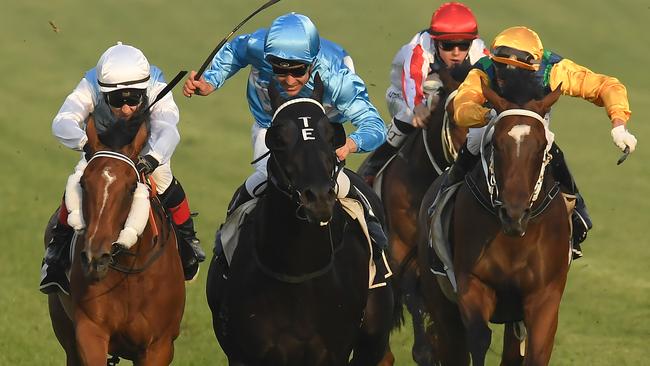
x=127, y=303
x=404, y=181
x=510, y=238
x=297, y=288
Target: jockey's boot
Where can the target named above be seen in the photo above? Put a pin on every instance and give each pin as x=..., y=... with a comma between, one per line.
x=190, y=249
x=375, y=228
x=240, y=197
x=398, y=131
x=580, y=217
x=463, y=164
x=456, y=173
x=189, y=246
x=376, y=161
x=56, y=261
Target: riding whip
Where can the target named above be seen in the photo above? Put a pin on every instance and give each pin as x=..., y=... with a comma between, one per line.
x=223, y=41
x=626, y=153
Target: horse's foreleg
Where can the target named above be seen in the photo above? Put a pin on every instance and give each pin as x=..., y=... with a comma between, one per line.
x=92, y=343
x=422, y=348
x=160, y=353
x=511, y=355
x=541, y=318
x=476, y=303
x=372, y=344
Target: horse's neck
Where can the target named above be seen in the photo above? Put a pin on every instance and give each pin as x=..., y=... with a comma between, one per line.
x=285, y=239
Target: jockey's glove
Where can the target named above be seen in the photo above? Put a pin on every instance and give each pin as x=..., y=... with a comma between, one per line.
x=147, y=164
x=623, y=138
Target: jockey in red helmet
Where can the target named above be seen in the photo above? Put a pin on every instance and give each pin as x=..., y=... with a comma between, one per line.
x=451, y=41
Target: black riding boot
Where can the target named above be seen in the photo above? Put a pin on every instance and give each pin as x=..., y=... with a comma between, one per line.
x=397, y=134
x=376, y=161
x=56, y=261
x=240, y=197
x=191, y=252
x=363, y=194
x=580, y=217
x=189, y=246
x=463, y=164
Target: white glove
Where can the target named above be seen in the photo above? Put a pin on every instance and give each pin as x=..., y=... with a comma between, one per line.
x=623, y=138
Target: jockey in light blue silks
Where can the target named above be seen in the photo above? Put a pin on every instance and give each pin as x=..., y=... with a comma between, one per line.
x=289, y=54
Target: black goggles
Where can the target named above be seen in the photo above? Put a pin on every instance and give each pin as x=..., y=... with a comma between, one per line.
x=450, y=45
x=130, y=97
x=283, y=68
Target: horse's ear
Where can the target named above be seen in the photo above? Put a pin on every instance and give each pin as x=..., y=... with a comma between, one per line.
x=317, y=94
x=140, y=139
x=339, y=135
x=500, y=104
x=91, y=133
x=273, y=140
x=551, y=98
x=274, y=96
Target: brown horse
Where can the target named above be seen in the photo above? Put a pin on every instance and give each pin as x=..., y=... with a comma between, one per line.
x=510, y=238
x=124, y=302
x=404, y=181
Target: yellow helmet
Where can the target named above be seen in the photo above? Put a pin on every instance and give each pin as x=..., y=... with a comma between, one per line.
x=519, y=47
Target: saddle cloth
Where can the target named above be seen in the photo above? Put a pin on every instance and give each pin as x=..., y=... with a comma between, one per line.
x=376, y=278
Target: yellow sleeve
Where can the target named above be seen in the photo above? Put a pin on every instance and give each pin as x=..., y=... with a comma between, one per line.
x=602, y=90
x=468, y=103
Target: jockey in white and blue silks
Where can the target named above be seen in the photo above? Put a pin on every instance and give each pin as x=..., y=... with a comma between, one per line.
x=289, y=54
x=122, y=84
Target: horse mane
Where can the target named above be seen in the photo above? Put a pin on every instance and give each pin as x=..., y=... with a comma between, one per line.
x=519, y=86
x=122, y=131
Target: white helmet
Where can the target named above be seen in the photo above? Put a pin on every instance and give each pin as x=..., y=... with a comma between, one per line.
x=122, y=66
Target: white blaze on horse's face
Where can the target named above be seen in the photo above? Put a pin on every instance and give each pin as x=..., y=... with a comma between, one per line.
x=109, y=178
x=518, y=133
x=307, y=132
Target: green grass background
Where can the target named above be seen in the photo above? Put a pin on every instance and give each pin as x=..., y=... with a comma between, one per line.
x=605, y=312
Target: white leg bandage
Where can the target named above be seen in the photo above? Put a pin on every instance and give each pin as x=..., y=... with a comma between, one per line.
x=137, y=219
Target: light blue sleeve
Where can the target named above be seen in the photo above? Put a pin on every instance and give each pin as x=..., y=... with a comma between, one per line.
x=350, y=97
x=230, y=59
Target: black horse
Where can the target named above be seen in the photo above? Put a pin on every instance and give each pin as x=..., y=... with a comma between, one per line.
x=297, y=291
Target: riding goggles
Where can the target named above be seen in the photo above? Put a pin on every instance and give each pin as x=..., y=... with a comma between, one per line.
x=450, y=45
x=120, y=97
x=283, y=67
x=513, y=57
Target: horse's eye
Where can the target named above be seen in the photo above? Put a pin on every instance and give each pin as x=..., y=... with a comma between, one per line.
x=133, y=188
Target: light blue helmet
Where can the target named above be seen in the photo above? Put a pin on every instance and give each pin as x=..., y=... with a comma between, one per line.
x=292, y=37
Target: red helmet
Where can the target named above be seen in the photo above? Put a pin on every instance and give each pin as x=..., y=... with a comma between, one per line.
x=453, y=21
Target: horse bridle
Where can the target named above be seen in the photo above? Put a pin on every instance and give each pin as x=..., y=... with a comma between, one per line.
x=488, y=167
x=116, y=248
x=288, y=188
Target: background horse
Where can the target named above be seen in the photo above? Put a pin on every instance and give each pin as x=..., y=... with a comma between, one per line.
x=404, y=181
x=127, y=303
x=296, y=291
x=510, y=238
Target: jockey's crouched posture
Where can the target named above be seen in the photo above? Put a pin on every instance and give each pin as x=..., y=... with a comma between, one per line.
x=289, y=54
x=121, y=84
x=518, y=52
